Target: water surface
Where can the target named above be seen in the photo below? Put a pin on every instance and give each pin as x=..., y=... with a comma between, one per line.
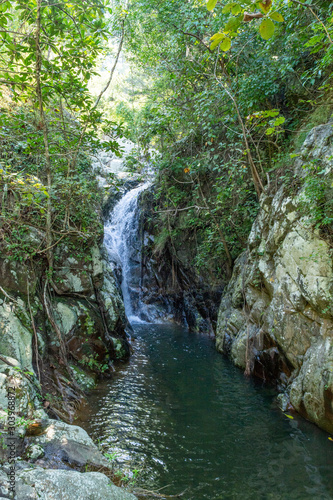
x=190, y=420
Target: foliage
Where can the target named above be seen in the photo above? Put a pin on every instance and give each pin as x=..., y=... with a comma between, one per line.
x=49, y=122
x=202, y=106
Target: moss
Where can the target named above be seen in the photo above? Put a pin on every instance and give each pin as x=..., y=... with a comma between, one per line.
x=85, y=380
x=320, y=115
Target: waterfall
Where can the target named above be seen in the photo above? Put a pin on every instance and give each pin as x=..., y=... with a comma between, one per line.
x=124, y=249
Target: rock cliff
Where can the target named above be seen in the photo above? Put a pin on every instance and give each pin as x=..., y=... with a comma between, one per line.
x=83, y=314
x=276, y=316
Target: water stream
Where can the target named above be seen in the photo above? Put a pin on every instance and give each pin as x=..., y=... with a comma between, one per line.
x=188, y=419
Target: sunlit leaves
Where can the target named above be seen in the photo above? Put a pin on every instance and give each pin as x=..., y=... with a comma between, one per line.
x=225, y=44
x=236, y=9
x=276, y=16
x=275, y=124
x=223, y=40
x=266, y=29
x=279, y=121
x=211, y=4
x=246, y=9
x=216, y=39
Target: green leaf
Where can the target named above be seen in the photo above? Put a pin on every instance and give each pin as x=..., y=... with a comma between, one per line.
x=271, y=112
x=217, y=38
x=270, y=131
x=279, y=121
x=226, y=44
x=266, y=29
x=217, y=35
x=227, y=8
x=236, y=9
x=276, y=16
x=211, y=4
x=233, y=24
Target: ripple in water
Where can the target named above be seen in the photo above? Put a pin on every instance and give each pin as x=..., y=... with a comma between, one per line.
x=189, y=419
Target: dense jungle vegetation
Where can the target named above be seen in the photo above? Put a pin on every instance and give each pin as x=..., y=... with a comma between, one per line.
x=224, y=91
x=225, y=95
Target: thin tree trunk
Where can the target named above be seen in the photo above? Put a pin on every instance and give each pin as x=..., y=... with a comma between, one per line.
x=254, y=172
x=43, y=127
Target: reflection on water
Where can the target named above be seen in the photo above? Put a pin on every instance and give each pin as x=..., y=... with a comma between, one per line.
x=189, y=419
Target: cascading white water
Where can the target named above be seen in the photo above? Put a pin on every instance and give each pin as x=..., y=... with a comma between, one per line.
x=121, y=241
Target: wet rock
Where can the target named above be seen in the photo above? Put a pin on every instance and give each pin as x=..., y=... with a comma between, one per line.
x=85, y=380
x=112, y=301
x=311, y=392
x=69, y=444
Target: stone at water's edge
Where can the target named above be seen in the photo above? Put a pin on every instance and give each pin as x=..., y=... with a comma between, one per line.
x=65, y=484
x=276, y=316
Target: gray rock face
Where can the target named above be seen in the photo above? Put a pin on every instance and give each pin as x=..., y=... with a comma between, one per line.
x=55, y=484
x=90, y=316
x=15, y=338
x=78, y=273
x=276, y=316
x=61, y=442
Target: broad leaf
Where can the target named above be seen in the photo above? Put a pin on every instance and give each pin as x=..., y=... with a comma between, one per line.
x=226, y=44
x=211, y=4
x=279, y=121
x=233, y=24
x=217, y=38
x=267, y=29
x=236, y=9
x=276, y=16
x=265, y=6
x=227, y=8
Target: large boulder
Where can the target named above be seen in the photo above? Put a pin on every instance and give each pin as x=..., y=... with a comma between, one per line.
x=70, y=444
x=32, y=483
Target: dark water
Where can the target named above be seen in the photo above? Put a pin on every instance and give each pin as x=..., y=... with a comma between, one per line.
x=190, y=420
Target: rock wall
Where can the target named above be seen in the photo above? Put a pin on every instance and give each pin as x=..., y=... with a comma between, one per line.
x=276, y=315
x=89, y=314
x=166, y=280
x=87, y=309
